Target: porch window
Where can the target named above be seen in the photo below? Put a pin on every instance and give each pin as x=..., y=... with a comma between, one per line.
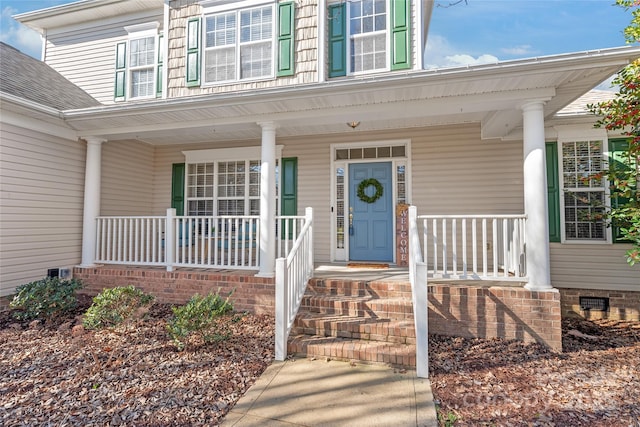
x=583, y=196
x=369, y=36
x=239, y=44
x=224, y=188
x=226, y=181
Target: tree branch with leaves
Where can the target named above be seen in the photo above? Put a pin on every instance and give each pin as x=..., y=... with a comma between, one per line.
x=621, y=115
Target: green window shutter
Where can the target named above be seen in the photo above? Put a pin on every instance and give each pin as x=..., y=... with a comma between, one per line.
x=177, y=187
x=193, y=52
x=400, y=34
x=337, y=40
x=553, y=191
x=120, y=86
x=286, y=39
x=289, y=187
x=159, y=70
x=618, y=161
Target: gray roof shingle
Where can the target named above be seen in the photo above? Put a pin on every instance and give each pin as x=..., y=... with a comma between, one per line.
x=31, y=79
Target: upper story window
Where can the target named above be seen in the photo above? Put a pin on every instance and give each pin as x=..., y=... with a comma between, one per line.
x=139, y=63
x=237, y=41
x=238, y=45
x=142, y=54
x=369, y=36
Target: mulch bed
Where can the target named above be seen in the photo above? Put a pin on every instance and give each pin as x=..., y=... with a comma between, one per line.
x=594, y=382
x=52, y=374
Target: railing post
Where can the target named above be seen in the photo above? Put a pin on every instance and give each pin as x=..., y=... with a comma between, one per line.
x=308, y=213
x=282, y=309
x=421, y=311
x=169, y=239
x=418, y=278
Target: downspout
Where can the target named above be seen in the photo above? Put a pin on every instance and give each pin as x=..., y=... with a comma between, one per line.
x=322, y=22
x=165, y=46
x=427, y=11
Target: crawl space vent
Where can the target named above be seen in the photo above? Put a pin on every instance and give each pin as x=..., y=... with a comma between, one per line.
x=594, y=303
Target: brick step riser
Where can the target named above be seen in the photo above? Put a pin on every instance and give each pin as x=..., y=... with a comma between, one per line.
x=392, y=339
x=397, y=356
x=357, y=288
x=395, y=332
x=397, y=310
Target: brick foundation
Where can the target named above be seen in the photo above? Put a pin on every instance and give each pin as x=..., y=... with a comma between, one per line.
x=623, y=305
x=250, y=293
x=456, y=310
x=496, y=312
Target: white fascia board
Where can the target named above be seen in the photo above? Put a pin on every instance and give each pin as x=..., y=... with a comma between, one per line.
x=84, y=10
x=13, y=117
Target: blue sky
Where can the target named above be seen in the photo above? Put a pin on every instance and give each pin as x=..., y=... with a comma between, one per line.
x=470, y=32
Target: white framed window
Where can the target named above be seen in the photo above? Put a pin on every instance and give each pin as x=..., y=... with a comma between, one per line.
x=239, y=44
x=368, y=35
x=138, y=64
x=142, y=67
x=224, y=181
x=583, y=199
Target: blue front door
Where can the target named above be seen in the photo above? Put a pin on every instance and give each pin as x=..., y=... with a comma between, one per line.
x=371, y=229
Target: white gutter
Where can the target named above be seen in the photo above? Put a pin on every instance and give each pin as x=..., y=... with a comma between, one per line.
x=31, y=105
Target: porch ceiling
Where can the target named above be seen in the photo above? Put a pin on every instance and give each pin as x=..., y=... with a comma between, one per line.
x=488, y=94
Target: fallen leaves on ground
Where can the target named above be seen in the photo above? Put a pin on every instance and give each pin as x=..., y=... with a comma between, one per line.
x=59, y=374
x=56, y=373
x=594, y=382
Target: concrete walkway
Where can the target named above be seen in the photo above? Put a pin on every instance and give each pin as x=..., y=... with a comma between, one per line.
x=304, y=392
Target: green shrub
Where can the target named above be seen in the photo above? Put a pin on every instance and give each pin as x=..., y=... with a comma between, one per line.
x=199, y=316
x=112, y=307
x=45, y=298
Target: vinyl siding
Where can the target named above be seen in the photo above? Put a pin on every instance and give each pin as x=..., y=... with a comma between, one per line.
x=593, y=266
x=306, y=55
x=86, y=55
x=41, y=200
x=127, y=178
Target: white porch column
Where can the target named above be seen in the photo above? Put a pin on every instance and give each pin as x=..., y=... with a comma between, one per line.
x=92, y=177
x=268, y=201
x=535, y=197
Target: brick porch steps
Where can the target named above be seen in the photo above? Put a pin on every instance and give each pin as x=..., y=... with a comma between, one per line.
x=369, y=322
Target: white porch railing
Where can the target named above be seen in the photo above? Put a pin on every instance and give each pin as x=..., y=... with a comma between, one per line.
x=292, y=275
x=189, y=241
x=418, y=279
x=476, y=247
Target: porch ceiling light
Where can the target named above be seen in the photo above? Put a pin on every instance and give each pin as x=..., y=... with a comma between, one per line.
x=353, y=125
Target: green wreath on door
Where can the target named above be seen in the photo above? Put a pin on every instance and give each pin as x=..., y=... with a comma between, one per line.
x=366, y=183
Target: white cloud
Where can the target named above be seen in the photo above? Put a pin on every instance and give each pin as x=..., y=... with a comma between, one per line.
x=19, y=36
x=440, y=54
x=521, y=50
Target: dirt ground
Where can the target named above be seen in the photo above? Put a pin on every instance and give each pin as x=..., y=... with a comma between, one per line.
x=53, y=374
